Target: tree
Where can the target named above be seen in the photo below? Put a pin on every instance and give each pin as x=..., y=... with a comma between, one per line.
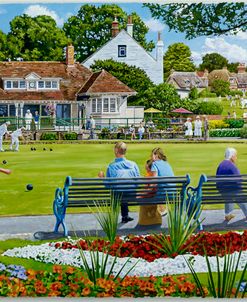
x=91, y=28
x=178, y=57
x=132, y=76
x=199, y=19
x=3, y=46
x=163, y=97
x=193, y=93
x=212, y=61
x=36, y=39
x=220, y=87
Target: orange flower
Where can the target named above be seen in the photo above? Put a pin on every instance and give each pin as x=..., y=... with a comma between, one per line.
x=73, y=286
x=56, y=285
x=54, y=294
x=57, y=269
x=70, y=270
x=86, y=291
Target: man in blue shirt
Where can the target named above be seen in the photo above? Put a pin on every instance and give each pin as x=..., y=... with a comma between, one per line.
x=122, y=168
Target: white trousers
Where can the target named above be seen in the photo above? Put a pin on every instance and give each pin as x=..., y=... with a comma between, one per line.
x=28, y=125
x=1, y=143
x=14, y=141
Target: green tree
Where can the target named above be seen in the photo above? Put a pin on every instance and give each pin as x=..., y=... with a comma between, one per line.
x=233, y=67
x=91, y=28
x=220, y=87
x=3, y=46
x=163, y=97
x=36, y=39
x=193, y=93
x=178, y=57
x=132, y=76
x=200, y=19
x=212, y=61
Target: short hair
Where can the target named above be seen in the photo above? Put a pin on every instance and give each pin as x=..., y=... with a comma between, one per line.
x=149, y=163
x=230, y=152
x=7, y=123
x=121, y=147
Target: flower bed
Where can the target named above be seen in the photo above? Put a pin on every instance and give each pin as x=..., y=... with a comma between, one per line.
x=71, y=282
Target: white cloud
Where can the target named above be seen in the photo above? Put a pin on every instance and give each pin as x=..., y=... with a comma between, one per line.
x=196, y=57
x=37, y=10
x=233, y=52
x=154, y=25
x=241, y=35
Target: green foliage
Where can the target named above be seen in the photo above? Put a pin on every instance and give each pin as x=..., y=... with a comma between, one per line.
x=212, y=61
x=243, y=132
x=217, y=124
x=220, y=87
x=181, y=225
x=132, y=76
x=48, y=136
x=233, y=67
x=235, y=123
x=107, y=214
x=206, y=93
x=36, y=39
x=225, y=133
x=193, y=93
x=178, y=57
x=224, y=284
x=163, y=97
x=214, y=108
x=70, y=136
x=201, y=19
x=3, y=46
x=91, y=28
x=235, y=92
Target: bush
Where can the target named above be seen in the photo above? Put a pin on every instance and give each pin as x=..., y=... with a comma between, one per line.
x=70, y=136
x=48, y=136
x=235, y=123
x=210, y=107
x=206, y=93
x=218, y=124
x=224, y=133
x=235, y=92
x=220, y=87
x=243, y=132
x=193, y=93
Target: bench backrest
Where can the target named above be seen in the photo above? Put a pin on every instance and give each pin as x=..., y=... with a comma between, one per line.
x=222, y=189
x=83, y=192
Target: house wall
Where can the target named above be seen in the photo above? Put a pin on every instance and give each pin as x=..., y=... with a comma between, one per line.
x=136, y=56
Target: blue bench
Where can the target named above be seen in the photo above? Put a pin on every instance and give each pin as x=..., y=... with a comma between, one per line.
x=85, y=192
x=218, y=190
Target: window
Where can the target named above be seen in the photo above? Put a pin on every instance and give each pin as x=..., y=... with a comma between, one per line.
x=41, y=84
x=122, y=50
x=8, y=84
x=48, y=84
x=104, y=106
x=54, y=84
x=15, y=84
x=22, y=84
x=32, y=84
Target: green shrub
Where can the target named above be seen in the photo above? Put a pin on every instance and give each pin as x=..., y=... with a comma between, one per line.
x=48, y=136
x=70, y=136
x=224, y=133
x=243, y=132
x=235, y=123
x=235, y=92
x=206, y=93
x=218, y=124
x=193, y=93
x=210, y=107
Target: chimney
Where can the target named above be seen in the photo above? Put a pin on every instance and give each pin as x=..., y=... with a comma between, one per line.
x=114, y=28
x=70, y=55
x=130, y=26
x=241, y=68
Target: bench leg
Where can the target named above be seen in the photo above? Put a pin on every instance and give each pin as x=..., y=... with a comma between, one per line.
x=62, y=222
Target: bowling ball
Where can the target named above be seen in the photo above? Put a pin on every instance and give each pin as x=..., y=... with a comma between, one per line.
x=4, y=162
x=29, y=187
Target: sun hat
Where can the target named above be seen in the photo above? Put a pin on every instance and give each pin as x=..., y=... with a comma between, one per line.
x=197, y=117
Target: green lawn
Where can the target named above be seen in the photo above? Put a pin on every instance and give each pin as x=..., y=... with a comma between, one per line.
x=47, y=170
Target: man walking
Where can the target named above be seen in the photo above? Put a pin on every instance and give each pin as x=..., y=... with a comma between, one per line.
x=122, y=168
x=3, y=130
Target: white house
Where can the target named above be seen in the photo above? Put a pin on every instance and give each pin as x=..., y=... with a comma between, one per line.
x=124, y=48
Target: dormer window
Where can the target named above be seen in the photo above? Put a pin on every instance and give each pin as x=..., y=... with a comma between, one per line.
x=122, y=50
x=31, y=84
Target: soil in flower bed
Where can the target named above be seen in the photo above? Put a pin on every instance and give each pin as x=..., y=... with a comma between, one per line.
x=149, y=249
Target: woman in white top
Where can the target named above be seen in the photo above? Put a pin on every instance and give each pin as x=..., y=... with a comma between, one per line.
x=188, y=125
x=198, y=127
x=141, y=130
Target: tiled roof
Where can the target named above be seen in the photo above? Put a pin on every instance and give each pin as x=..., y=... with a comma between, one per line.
x=72, y=79
x=187, y=79
x=103, y=82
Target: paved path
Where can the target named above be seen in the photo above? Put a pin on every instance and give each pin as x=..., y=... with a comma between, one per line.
x=41, y=227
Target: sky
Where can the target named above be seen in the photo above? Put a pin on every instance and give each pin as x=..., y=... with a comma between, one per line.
x=234, y=48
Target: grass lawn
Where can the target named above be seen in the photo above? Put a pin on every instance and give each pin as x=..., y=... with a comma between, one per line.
x=47, y=170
